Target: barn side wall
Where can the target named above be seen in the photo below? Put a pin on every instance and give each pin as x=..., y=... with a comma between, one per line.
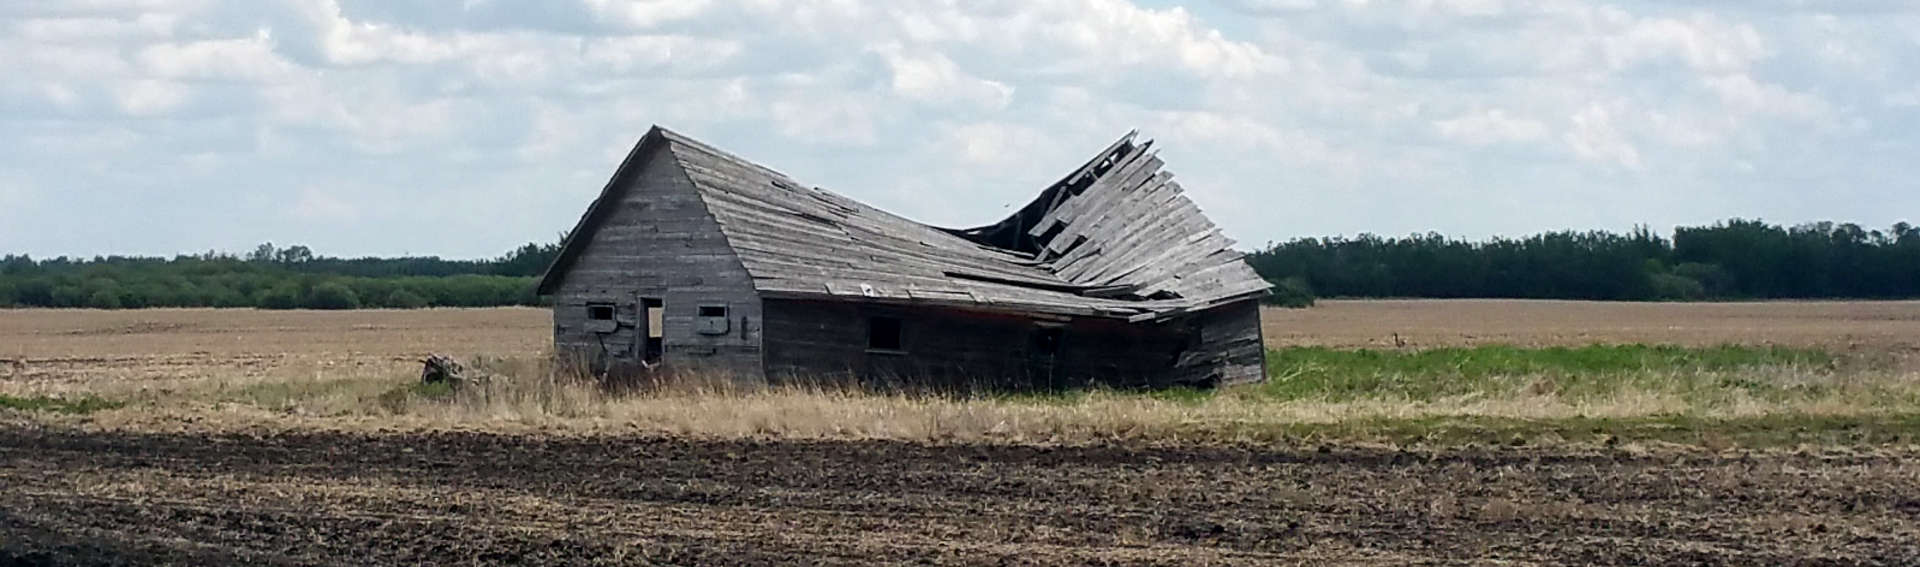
x=1229, y=346
x=659, y=241
x=828, y=341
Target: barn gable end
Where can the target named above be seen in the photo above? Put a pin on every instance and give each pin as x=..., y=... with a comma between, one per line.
x=649, y=240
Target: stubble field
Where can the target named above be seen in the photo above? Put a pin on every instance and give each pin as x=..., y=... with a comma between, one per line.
x=293, y=438
x=157, y=346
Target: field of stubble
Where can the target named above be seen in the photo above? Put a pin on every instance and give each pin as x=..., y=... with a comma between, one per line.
x=241, y=443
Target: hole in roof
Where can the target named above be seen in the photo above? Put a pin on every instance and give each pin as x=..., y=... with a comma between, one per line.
x=1051, y=233
x=1077, y=241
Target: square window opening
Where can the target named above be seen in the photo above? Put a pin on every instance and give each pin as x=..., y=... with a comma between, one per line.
x=600, y=311
x=883, y=333
x=712, y=320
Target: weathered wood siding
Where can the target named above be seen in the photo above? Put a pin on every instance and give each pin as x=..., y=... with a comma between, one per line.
x=825, y=340
x=658, y=240
x=1228, y=348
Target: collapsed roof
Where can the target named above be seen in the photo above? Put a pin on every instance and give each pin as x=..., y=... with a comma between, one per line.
x=1114, y=238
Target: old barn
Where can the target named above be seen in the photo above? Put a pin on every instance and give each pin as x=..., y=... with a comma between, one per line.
x=692, y=257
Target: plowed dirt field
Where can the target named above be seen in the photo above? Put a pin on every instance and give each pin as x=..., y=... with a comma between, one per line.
x=75, y=497
x=199, y=485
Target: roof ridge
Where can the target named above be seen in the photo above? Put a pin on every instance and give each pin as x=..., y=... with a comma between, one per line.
x=683, y=139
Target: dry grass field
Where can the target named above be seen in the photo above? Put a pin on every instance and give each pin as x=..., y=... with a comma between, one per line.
x=1891, y=326
x=241, y=368
x=229, y=436
x=158, y=346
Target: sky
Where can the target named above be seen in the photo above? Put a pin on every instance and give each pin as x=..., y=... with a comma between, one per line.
x=461, y=129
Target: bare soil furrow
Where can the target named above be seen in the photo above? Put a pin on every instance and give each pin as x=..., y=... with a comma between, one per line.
x=405, y=498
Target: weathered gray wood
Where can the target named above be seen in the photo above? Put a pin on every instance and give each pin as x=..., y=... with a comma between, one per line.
x=813, y=340
x=656, y=240
x=1113, y=250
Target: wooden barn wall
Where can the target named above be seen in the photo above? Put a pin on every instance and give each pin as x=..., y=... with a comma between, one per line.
x=1228, y=347
x=660, y=241
x=827, y=341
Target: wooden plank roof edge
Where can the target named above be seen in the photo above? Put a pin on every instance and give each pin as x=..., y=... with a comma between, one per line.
x=1002, y=307
x=1208, y=306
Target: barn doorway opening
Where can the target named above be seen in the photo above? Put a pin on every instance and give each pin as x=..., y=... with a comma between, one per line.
x=652, y=329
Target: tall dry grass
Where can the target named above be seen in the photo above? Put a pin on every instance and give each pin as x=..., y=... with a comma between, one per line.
x=238, y=368
x=533, y=394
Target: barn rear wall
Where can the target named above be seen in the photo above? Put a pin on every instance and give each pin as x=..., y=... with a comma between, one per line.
x=824, y=340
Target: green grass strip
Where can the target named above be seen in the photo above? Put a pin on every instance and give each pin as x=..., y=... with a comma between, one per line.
x=1779, y=430
x=1341, y=374
x=80, y=405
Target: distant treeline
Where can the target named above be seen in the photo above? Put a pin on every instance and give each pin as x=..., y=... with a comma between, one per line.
x=273, y=278
x=1734, y=259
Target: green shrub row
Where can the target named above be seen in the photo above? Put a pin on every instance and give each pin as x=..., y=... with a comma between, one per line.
x=1731, y=259
x=272, y=278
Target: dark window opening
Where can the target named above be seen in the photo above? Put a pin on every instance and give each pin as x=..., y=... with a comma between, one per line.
x=883, y=333
x=712, y=320
x=600, y=311
x=1046, y=340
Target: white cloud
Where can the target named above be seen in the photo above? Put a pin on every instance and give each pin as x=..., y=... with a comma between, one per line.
x=1489, y=127
x=54, y=60
x=320, y=205
x=15, y=194
x=1115, y=31
x=645, y=53
x=59, y=94
x=646, y=14
x=1688, y=131
x=1902, y=98
x=934, y=78
x=817, y=118
x=1701, y=42
x=93, y=29
x=345, y=42
x=1595, y=137
x=1742, y=93
x=249, y=59
x=994, y=144
x=148, y=97
x=1287, y=117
